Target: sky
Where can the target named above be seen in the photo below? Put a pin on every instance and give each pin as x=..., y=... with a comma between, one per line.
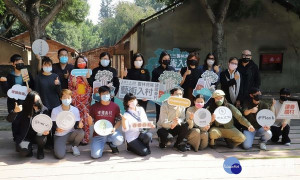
x=95, y=8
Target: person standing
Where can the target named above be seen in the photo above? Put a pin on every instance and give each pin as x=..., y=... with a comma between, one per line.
x=63, y=68
x=250, y=74
x=139, y=73
x=164, y=61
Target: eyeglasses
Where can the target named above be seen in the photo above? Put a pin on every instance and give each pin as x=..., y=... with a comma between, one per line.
x=246, y=54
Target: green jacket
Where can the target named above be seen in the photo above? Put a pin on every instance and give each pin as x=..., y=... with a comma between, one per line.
x=236, y=114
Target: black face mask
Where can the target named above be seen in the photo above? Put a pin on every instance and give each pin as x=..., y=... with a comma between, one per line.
x=257, y=97
x=191, y=62
x=166, y=62
x=283, y=98
x=245, y=60
x=19, y=66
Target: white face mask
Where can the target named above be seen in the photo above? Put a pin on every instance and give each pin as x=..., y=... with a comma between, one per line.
x=232, y=67
x=138, y=64
x=66, y=102
x=210, y=62
x=133, y=104
x=105, y=62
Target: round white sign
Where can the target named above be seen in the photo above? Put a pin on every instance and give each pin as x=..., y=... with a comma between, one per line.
x=202, y=117
x=265, y=117
x=103, y=127
x=41, y=123
x=40, y=47
x=65, y=120
x=223, y=115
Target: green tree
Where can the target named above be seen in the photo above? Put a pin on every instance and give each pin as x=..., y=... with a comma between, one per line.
x=106, y=10
x=126, y=15
x=157, y=6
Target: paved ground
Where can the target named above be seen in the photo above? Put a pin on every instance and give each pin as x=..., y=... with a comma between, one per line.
x=277, y=163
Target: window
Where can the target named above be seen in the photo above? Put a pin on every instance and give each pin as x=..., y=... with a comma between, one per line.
x=271, y=62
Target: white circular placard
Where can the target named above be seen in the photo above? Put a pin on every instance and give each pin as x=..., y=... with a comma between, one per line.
x=202, y=117
x=40, y=47
x=103, y=127
x=223, y=115
x=41, y=123
x=265, y=117
x=65, y=120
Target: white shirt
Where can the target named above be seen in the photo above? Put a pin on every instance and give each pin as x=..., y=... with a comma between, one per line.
x=278, y=122
x=59, y=109
x=130, y=132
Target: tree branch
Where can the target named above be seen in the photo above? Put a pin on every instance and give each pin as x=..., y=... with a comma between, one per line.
x=209, y=11
x=57, y=7
x=223, y=10
x=19, y=13
x=9, y=26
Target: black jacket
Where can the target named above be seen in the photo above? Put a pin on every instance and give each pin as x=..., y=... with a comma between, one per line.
x=115, y=79
x=250, y=77
x=190, y=80
x=158, y=71
x=226, y=84
x=5, y=86
x=21, y=126
x=138, y=74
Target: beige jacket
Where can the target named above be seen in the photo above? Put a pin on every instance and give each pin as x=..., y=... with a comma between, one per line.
x=168, y=114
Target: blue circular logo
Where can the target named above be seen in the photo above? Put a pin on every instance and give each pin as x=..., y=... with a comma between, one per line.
x=232, y=165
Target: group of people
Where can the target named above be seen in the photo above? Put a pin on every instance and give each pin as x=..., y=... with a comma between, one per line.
x=55, y=90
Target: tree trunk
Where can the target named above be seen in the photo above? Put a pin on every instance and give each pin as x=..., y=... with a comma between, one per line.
x=218, y=42
x=36, y=32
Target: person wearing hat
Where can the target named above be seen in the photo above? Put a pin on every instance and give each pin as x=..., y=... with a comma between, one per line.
x=228, y=131
x=250, y=109
x=81, y=95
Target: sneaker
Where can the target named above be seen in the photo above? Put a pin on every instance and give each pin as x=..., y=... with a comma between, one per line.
x=262, y=146
x=180, y=148
x=287, y=144
x=114, y=150
x=76, y=151
x=162, y=146
x=40, y=154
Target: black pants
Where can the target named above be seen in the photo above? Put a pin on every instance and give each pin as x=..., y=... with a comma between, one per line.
x=276, y=133
x=166, y=134
x=39, y=140
x=143, y=104
x=140, y=145
x=157, y=111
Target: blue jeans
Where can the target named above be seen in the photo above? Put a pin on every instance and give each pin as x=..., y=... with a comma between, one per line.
x=98, y=143
x=264, y=137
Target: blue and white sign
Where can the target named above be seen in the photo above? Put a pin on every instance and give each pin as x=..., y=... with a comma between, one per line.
x=80, y=72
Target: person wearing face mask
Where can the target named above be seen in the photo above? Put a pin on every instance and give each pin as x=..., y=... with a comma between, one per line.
x=81, y=95
x=48, y=85
x=139, y=73
x=211, y=64
x=164, y=61
x=137, y=140
x=281, y=127
x=172, y=123
x=105, y=64
x=197, y=136
x=190, y=76
x=23, y=134
x=250, y=74
x=73, y=136
x=63, y=68
x=13, y=78
x=231, y=82
x=110, y=111
x=250, y=109
x=232, y=135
